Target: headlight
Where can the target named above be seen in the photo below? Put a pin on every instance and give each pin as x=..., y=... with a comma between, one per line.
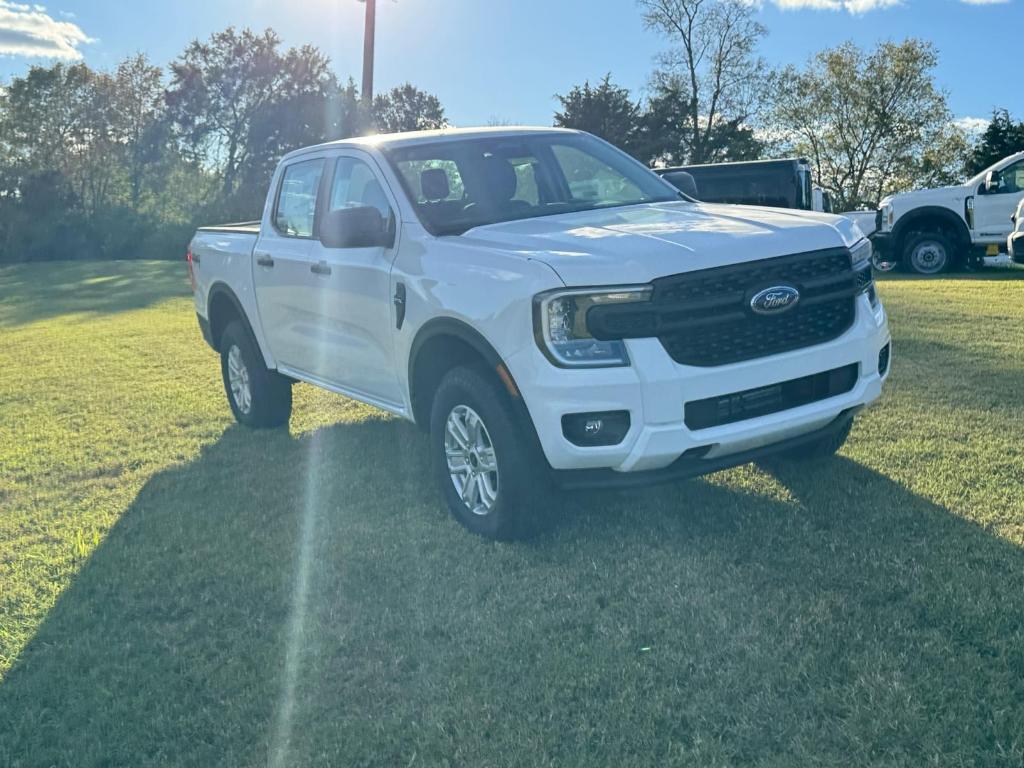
x=887, y=218
x=560, y=326
x=861, y=254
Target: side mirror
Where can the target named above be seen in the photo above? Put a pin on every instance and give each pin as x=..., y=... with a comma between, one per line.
x=993, y=181
x=682, y=181
x=361, y=227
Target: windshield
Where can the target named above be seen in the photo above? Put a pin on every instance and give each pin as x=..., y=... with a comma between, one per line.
x=460, y=184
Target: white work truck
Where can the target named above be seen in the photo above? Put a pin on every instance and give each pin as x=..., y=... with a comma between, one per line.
x=550, y=311
x=932, y=230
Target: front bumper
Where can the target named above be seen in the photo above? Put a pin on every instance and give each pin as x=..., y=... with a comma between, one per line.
x=655, y=389
x=882, y=243
x=1015, y=247
x=687, y=465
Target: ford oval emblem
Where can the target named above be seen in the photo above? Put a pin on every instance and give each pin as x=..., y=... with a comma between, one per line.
x=775, y=300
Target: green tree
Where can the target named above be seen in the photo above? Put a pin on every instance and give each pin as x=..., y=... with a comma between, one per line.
x=1002, y=138
x=712, y=72
x=605, y=110
x=138, y=121
x=873, y=122
x=407, y=108
x=667, y=136
x=218, y=87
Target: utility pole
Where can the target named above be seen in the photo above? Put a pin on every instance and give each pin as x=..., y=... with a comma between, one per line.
x=371, y=23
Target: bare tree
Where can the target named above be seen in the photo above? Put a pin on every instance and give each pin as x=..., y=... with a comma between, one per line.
x=712, y=61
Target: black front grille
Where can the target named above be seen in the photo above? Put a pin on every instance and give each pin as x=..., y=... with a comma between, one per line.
x=751, y=403
x=705, y=319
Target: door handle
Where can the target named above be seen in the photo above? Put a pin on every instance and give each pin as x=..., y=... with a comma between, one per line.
x=320, y=269
x=265, y=260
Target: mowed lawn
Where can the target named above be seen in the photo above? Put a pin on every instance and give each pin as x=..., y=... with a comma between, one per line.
x=177, y=590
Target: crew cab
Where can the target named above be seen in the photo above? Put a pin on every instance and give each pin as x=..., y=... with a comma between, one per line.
x=932, y=230
x=549, y=310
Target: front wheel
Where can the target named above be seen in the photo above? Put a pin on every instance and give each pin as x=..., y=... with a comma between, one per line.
x=258, y=396
x=929, y=253
x=487, y=469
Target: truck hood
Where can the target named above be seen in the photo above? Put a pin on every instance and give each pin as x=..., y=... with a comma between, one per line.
x=945, y=196
x=637, y=244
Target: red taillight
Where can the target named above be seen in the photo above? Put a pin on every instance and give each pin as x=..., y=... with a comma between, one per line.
x=191, y=270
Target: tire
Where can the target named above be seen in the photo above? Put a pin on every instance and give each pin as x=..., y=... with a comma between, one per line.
x=882, y=264
x=500, y=504
x=928, y=253
x=259, y=397
x=819, y=450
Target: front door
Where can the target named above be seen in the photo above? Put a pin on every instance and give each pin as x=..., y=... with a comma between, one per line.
x=992, y=210
x=281, y=264
x=355, y=311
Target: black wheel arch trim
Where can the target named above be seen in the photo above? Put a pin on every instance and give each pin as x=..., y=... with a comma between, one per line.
x=221, y=288
x=905, y=225
x=450, y=326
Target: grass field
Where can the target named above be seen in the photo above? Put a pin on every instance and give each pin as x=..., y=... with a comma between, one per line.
x=178, y=591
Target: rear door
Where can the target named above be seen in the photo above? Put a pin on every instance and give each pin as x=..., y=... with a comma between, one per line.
x=281, y=263
x=354, y=295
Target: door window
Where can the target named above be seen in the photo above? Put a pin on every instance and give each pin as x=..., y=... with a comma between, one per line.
x=355, y=185
x=1012, y=179
x=296, y=199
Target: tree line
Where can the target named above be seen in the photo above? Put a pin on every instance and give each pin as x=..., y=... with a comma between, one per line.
x=125, y=164
x=872, y=122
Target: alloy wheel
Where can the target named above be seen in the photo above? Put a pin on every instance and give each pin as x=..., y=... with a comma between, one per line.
x=472, y=463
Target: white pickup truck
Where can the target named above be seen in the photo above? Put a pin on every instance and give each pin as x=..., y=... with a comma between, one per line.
x=549, y=310
x=932, y=230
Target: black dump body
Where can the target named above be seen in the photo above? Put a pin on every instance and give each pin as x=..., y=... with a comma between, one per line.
x=773, y=183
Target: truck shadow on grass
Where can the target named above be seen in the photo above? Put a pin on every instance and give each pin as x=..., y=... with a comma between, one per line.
x=307, y=601
x=45, y=290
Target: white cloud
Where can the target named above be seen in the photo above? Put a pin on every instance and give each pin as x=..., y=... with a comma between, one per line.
x=28, y=30
x=973, y=126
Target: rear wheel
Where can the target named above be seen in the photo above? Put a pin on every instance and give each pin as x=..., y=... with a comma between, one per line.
x=488, y=471
x=928, y=253
x=259, y=397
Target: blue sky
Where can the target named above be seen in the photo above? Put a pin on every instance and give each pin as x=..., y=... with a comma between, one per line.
x=505, y=59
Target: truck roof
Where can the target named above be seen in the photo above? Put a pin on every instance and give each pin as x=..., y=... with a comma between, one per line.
x=429, y=137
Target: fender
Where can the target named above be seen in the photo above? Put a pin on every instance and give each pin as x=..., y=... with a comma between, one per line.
x=218, y=289
x=449, y=326
x=947, y=216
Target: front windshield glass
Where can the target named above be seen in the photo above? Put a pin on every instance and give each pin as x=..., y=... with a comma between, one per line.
x=464, y=183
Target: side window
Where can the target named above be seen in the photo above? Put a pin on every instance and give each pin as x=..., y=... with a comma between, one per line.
x=1013, y=179
x=356, y=185
x=526, y=180
x=413, y=170
x=296, y=198
x=591, y=180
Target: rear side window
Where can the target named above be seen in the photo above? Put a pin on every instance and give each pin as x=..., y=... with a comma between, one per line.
x=296, y=199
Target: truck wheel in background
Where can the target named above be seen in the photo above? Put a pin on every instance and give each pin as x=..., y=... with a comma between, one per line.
x=819, y=449
x=928, y=253
x=488, y=471
x=259, y=397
